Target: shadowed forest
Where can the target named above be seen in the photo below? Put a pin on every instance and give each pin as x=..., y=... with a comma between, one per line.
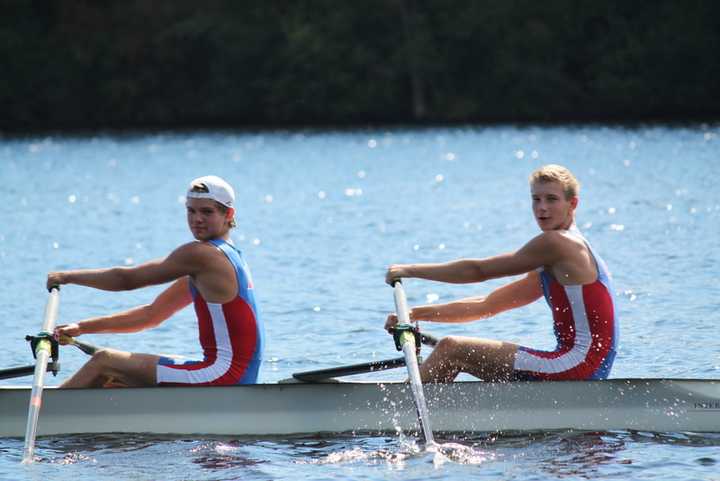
x=134, y=64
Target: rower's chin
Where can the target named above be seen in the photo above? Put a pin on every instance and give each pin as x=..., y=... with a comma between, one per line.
x=544, y=224
x=201, y=235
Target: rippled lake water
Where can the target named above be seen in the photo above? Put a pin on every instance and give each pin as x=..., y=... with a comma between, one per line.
x=321, y=214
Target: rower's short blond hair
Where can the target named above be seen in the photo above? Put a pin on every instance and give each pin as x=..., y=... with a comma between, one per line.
x=560, y=174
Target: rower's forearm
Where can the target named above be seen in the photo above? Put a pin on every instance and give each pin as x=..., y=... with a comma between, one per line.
x=462, y=271
x=112, y=279
x=133, y=320
x=465, y=310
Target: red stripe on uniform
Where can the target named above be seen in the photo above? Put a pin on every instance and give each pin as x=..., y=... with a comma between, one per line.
x=243, y=338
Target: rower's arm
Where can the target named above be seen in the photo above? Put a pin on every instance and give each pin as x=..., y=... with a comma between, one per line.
x=516, y=294
x=139, y=318
x=185, y=260
x=545, y=249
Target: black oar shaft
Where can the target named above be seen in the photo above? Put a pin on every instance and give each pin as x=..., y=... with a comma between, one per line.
x=324, y=374
x=428, y=339
x=21, y=371
x=17, y=372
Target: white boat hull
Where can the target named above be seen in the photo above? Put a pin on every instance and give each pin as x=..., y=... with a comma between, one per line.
x=658, y=405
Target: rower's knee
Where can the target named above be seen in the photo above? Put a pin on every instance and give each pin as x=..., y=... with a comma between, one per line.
x=102, y=357
x=450, y=348
x=448, y=344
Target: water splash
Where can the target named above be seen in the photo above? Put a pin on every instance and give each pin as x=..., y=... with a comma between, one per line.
x=458, y=453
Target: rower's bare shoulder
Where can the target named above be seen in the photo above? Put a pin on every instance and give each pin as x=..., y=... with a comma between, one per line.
x=560, y=236
x=196, y=250
x=553, y=238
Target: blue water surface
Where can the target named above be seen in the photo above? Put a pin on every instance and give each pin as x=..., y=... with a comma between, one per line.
x=320, y=216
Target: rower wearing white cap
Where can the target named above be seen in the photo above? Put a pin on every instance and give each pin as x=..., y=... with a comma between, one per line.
x=209, y=273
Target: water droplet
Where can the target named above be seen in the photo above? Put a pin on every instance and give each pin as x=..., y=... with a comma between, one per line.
x=321, y=195
x=72, y=198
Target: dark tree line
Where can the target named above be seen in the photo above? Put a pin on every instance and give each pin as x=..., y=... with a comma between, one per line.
x=139, y=63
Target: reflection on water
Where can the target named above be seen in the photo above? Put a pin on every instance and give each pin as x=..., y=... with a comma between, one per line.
x=547, y=455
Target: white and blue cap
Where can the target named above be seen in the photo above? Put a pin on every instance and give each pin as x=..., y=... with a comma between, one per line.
x=212, y=187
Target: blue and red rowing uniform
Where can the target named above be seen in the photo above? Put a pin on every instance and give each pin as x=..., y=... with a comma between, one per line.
x=231, y=335
x=586, y=329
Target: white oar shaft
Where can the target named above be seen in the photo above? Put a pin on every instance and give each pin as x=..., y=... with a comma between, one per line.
x=418, y=392
x=409, y=350
x=401, y=305
x=42, y=355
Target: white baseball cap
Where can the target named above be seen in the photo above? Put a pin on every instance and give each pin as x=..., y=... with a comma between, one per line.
x=212, y=187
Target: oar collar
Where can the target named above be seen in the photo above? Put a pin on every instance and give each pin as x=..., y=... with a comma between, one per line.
x=34, y=341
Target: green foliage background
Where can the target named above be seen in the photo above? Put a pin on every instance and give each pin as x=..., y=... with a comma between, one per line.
x=69, y=64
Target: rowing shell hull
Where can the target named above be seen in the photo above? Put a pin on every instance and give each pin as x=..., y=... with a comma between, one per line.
x=659, y=405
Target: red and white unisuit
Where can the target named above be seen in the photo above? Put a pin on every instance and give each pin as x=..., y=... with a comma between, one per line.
x=231, y=335
x=586, y=329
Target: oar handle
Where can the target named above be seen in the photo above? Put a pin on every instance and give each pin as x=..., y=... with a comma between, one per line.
x=88, y=349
